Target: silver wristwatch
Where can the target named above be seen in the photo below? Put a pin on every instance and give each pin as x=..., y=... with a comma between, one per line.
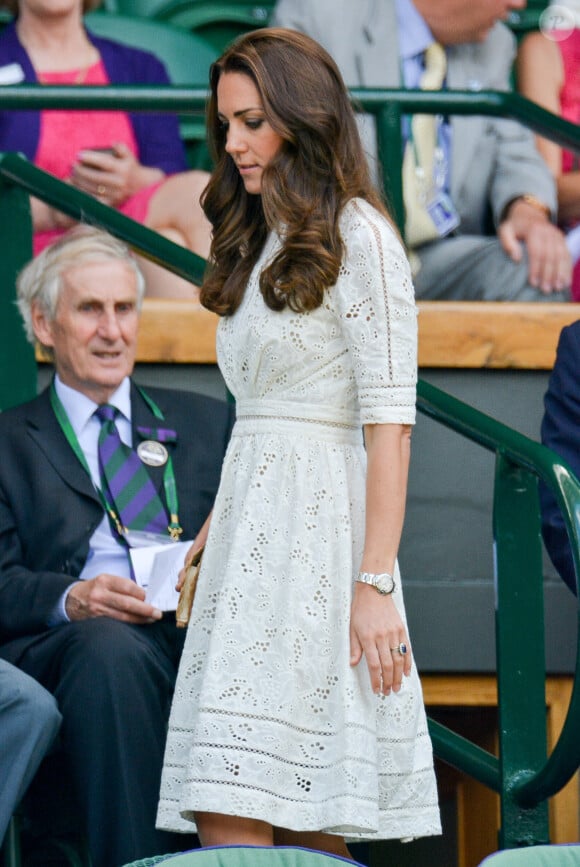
x=383, y=582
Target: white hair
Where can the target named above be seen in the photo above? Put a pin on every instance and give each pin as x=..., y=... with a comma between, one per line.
x=40, y=282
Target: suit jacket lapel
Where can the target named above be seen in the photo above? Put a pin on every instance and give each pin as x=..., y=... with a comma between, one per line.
x=47, y=434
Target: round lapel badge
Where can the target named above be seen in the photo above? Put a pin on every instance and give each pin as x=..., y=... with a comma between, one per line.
x=152, y=453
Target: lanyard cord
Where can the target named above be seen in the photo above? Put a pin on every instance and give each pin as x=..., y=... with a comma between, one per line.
x=169, y=484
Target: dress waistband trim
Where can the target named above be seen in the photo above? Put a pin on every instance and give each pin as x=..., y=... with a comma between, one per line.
x=304, y=420
x=314, y=414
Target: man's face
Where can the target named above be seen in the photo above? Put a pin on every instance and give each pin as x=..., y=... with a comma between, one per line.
x=94, y=332
x=453, y=22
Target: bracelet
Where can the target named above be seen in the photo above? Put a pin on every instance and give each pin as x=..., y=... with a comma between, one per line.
x=537, y=204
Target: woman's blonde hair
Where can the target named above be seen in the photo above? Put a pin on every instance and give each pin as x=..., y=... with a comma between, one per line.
x=320, y=166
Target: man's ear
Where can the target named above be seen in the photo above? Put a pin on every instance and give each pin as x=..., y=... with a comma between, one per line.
x=41, y=325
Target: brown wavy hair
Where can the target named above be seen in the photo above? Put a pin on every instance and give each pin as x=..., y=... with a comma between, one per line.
x=319, y=167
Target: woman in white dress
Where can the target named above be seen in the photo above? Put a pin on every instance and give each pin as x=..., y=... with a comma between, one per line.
x=298, y=716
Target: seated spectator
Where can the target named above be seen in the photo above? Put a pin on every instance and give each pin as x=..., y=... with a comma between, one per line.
x=488, y=195
x=29, y=721
x=548, y=64
x=560, y=427
x=133, y=162
x=71, y=615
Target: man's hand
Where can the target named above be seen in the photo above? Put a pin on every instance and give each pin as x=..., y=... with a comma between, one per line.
x=110, y=596
x=549, y=262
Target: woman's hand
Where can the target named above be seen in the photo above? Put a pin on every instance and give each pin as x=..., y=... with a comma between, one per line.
x=376, y=630
x=112, y=175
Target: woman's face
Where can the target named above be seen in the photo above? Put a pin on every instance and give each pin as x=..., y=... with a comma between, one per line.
x=49, y=9
x=250, y=140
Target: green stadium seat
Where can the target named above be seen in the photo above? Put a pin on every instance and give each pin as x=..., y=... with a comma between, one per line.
x=535, y=856
x=527, y=19
x=246, y=856
x=187, y=57
x=217, y=22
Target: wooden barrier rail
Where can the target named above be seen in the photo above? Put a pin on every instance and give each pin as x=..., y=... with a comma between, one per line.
x=462, y=334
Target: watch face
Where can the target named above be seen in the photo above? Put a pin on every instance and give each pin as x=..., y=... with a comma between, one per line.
x=385, y=585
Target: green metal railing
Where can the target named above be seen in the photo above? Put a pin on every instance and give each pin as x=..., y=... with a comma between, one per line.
x=387, y=106
x=523, y=775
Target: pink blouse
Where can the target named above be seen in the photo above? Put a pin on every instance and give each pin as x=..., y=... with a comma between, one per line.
x=64, y=133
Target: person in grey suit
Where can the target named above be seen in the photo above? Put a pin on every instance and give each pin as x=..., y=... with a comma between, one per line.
x=505, y=246
x=71, y=615
x=29, y=722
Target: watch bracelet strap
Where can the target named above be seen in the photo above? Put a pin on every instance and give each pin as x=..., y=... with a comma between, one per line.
x=371, y=579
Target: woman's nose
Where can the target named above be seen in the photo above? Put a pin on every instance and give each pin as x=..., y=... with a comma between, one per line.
x=234, y=142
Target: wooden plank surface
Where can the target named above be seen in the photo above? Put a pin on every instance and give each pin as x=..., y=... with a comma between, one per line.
x=462, y=334
x=468, y=334
x=178, y=332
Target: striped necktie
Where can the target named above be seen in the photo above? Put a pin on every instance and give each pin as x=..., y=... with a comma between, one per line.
x=125, y=481
x=419, y=156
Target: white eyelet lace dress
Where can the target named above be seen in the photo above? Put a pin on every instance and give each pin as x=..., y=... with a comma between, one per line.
x=269, y=720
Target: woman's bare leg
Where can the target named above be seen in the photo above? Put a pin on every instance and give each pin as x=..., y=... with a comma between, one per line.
x=161, y=283
x=330, y=843
x=216, y=829
x=176, y=206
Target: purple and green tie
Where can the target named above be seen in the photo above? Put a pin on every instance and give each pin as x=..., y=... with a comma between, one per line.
x=125, y=481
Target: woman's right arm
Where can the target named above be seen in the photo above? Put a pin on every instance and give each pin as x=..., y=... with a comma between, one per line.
x=540, y=74
x=44, y=217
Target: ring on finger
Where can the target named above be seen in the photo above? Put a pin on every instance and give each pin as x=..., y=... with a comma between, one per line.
x=400, y=648
x=101, y=190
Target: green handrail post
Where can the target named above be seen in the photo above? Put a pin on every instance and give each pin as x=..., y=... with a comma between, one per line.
x=527, y=778
x=17, y=363
x=389, y=150
x=520, y=650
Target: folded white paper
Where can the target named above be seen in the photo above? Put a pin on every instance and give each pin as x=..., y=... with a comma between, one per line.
x=156, y=569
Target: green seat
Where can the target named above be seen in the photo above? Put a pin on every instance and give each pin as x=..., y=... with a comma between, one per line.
x=217, y=22
x=246, y=856
x=535, y=856
x=187, y=58
x=527, y=19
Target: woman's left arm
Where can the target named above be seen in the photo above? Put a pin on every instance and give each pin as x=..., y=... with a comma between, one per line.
x=376, y=627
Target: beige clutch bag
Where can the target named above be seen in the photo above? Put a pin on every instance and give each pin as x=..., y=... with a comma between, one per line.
x=187, y=592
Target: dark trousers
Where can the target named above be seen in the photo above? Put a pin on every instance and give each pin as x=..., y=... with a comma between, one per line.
x=113, y=683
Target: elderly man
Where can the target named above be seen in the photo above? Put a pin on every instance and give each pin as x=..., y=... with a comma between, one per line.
x=488, y=233
x=93, y=471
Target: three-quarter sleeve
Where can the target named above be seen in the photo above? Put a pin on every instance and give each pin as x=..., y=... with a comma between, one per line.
x=375, y=303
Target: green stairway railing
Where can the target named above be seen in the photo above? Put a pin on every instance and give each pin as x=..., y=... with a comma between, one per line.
x=386, y=105
x=523, y=774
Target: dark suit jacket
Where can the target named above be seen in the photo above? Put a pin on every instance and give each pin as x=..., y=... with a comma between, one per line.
x=561, y=433
x=49, y=507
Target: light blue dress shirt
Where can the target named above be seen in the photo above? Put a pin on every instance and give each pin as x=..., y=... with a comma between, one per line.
x=415, y=38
